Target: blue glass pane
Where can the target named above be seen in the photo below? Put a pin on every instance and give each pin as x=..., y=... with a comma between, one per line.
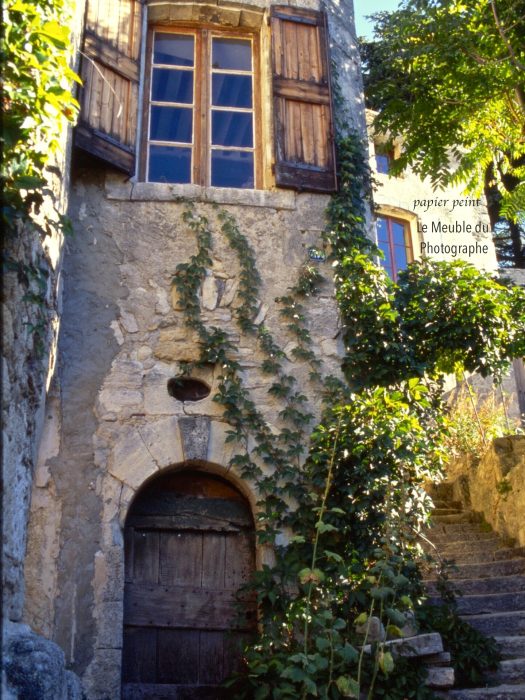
x=173, y=49
x=382, y=163
x=382, y=229
x=231, y=90
x=172, y=85
x=386, y=250
x=169, y=164
x=232, y=129
x=398, y=231
x=231, y=169
x=232, y=53
x=400, y=255
x=171, y=124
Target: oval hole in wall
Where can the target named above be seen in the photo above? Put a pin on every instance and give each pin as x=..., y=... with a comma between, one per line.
x=187, y=389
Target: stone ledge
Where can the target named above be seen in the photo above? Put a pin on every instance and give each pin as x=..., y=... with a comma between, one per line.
x=124, y=190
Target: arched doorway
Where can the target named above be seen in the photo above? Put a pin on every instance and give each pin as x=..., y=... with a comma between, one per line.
x=189, y=547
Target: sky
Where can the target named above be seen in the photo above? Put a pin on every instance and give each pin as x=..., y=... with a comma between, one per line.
x=367, y=7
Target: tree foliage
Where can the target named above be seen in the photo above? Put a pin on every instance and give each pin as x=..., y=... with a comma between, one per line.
x=448, y=77
x=36, y=103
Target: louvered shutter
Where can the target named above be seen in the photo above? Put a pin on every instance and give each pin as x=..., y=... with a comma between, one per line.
x=304, y=143
x=110, y=72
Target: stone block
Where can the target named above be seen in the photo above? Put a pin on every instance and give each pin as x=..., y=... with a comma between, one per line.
x=163, y=441
x=230, y=290
x=195, y=434
x=113, y=400
x=131, y=461
x=440, y=677
x=177, y=344
x=209, y=293
x=220, y=451
x=35, y=667
x=374, y=630
x=128, y=322
x=109, y=625
x=421, y=645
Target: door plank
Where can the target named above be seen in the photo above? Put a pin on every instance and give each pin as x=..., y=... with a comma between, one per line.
x=146, y=556
x=178, y=656
x=213, y=560
x=186, y=607
x=180, y=558
x=139, y=657
x=211, y=657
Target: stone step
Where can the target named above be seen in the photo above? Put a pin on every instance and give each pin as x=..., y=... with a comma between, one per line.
x=509, y=671
x=464, y=516
x=467, y=529
x=488, y=603
x=512, y=647
x=499, y=623
x=466, y=557
x=461, y=548
x=487, y=569
x=480, y=586
x=500, y=692
x=474, y=536
x=509, y=553
x=447, y=510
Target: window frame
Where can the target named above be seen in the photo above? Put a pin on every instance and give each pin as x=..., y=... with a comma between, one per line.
x=391, y=245
x=202, y=109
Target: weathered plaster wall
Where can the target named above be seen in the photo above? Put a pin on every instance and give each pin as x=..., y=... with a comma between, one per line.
x=116, y=424
x=112, y=424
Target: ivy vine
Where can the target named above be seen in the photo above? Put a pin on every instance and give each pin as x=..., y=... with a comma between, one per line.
x=348, y=578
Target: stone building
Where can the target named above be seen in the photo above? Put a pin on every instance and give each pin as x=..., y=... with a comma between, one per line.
x=190, y=110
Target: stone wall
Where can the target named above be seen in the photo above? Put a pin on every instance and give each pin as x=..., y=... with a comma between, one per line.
x=114, y=424
x=32, y=667
x=495, y=486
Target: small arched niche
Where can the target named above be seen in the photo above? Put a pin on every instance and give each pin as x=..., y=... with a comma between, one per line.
x=188, y=389
x=189, y=549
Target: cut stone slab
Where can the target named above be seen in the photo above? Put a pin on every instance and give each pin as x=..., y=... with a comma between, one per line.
x=479, y=586
x=488, y=603
x=511, y=647
x=506, y=623
x=510, y=670
x=440, y=677
x=195, y=433
x=420, y=645
x=442, y=659
x=500, y=692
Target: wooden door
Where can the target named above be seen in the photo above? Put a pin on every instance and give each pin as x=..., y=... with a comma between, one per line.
x=189, y=547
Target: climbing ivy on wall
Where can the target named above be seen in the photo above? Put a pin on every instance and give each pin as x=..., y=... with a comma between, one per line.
x=349, y=571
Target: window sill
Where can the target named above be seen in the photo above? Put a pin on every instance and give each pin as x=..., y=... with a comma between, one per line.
x=123, y=190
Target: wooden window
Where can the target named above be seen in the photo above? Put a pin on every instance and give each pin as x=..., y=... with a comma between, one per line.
x=109, y=69
x=393, y=237
x=201, y=107
x=303, y=124
x=201, y=119
x=383, y=161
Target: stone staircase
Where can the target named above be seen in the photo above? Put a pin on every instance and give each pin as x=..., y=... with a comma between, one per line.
x=491, y=576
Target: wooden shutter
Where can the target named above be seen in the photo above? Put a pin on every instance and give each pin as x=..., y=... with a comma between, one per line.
x=304, y=143
x=110, y=72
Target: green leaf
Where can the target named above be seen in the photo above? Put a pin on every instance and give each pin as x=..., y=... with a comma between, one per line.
x=325, y=527
x=386, y=662
x=348, y=687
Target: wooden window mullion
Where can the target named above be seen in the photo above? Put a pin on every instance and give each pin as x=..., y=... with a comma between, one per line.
x=199, y=171
x=391, y=248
